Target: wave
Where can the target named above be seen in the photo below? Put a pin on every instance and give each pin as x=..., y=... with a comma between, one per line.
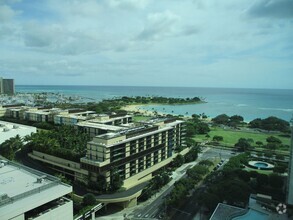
x=278, y=109
x=241, y=105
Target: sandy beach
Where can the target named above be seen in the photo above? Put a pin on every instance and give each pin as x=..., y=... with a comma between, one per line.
x=136, y=108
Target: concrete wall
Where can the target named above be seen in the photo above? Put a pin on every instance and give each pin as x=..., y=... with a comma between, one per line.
x=20, y=217
x=64, y=212
x=80, y=174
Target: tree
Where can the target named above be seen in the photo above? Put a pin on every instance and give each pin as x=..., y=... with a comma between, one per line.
x=89, y=199
x=210, y=200
x=270, y=124
x=236, y=118
x=178, y=161
x=279, y=168
x=280, y=157
x=197, y=172
x=207, y=163
x=218, y=138
x=259, y=143
x=100, y=185
x=273, y=140
x=192, y=154
x=115, y=181
x=262, y=180
x=243, y=144
x=276, y=181
x=221, y=119
x=202, y=128
x=10, y=146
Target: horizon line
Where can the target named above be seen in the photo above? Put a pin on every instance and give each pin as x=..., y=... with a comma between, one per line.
x=161, y=86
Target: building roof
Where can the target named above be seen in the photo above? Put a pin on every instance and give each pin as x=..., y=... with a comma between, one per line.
x=8, y=130
x=23, y=189
x=99, y=126
x=224, y=211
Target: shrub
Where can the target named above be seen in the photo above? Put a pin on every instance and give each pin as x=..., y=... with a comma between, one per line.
x=89, y=199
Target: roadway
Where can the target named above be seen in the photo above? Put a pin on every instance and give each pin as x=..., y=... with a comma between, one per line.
x=156, y=209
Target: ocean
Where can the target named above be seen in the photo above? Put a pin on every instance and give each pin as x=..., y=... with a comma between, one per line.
x=249, y=103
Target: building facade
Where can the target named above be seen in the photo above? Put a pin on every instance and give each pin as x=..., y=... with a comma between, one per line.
x=135, y=153
x=31, y=194
x=7, y=86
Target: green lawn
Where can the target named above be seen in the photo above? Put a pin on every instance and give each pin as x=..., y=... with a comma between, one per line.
x=231, y=137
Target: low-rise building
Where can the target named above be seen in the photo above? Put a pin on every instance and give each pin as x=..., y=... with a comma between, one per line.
x=135, y=153
x=73, y=117
x=30, y=194
x=9, y=130
x=42, y=114
x=93, y=129
x=112, y=119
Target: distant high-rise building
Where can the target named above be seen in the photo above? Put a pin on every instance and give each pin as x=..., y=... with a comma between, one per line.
x=6, y=86
x=290, y=176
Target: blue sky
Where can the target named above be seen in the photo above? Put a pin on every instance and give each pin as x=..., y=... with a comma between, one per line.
x=197, y=43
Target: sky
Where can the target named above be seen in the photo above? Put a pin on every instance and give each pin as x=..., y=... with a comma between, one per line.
x=188, y=43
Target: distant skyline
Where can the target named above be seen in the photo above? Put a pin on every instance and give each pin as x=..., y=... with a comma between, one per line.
x=187, y=43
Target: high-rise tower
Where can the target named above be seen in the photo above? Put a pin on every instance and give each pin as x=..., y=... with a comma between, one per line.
x=290, y=173
x=6, y=86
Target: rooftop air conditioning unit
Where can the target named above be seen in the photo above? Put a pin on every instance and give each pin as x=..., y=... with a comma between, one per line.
x=5, y=129
x=15, y=126
x=3, y=197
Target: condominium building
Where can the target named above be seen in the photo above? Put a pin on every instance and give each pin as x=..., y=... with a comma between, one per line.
x=42, y=114
x=113, y=119
x=73, y=117
x=7, y=86
x=17, y=111
x=135, y=153
x=9, y=130
x=94, y=129
x=30, y=194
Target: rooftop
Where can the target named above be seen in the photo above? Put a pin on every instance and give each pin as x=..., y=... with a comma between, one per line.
x=19, y=181
x=8, y=130
x=23, y=188
x=99, y=126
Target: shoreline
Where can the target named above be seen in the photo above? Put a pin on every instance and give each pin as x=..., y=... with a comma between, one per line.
x=136, y=108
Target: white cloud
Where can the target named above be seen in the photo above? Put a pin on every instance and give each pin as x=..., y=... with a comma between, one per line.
x=128, y=4
x=139, y=40
x=159, y=25
x=6, y=13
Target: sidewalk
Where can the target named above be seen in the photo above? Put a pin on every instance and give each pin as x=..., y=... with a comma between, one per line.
x=176, y=175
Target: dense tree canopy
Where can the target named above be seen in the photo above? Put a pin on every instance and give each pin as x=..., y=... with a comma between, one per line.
x=10, y=146
x=224, y=119
x=270, y=124
x=64, y=141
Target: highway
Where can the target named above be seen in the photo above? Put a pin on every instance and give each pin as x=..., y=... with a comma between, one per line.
x=156, y=209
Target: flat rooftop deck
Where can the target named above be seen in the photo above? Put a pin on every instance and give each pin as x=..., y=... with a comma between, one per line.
x=15, y=181
x=21, y=185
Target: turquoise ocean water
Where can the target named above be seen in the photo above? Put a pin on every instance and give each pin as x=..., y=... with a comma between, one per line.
x=250, y=103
